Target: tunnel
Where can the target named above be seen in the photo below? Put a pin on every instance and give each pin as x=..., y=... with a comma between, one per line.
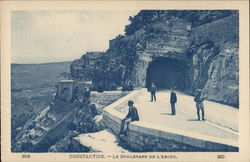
x=167, y=73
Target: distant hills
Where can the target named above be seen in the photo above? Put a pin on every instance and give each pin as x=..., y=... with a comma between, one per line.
x=26, y=76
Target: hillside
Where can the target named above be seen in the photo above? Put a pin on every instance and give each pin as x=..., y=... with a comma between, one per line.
x=32, y=87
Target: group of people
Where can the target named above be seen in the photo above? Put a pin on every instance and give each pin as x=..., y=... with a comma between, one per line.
x=173, y=97
x=133, y=114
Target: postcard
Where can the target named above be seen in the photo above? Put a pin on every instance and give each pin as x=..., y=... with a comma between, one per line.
x=124, y=81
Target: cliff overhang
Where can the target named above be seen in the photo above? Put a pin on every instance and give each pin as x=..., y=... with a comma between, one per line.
x=206, y=54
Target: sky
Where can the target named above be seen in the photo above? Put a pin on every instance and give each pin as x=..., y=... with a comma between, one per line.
x=55, y=36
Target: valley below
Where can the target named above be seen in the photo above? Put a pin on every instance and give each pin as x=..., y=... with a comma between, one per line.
x=32, y=88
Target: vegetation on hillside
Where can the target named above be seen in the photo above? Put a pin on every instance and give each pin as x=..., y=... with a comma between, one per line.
x=195, y=17
x=32, y=87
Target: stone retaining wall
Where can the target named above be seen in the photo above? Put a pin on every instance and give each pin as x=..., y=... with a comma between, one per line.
x=105, y=98
x=219, y=31
x=144, y=137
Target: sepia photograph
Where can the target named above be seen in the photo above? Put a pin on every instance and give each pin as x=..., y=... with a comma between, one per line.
x=131, y=84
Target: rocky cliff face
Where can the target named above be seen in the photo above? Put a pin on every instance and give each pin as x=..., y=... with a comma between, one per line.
x=54, y=128
x=223, y=76
x=32, y=87
x=214, y=60
x=214, y=69
x=183, y=50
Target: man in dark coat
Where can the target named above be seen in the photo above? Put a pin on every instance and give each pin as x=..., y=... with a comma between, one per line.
x=199, y=104
x=153, y=91
x=173, y=100
x=130, y=117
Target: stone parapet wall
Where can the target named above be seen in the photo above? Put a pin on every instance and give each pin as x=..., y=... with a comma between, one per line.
x=219, y=31
x=107, y=97
x=143, y=137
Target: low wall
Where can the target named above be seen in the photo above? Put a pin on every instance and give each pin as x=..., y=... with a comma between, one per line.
x=105, y=98
x=148, y=137
x=222, y=30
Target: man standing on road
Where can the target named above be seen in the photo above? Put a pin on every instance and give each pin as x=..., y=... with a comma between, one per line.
x=199, y=104
x=173, y=100
x=130, y=117
x=153, y=91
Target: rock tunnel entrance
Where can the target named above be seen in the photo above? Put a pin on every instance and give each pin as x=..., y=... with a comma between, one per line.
x=167, y=73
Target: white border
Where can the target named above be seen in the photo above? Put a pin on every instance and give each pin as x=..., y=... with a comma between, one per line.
x=8, y=6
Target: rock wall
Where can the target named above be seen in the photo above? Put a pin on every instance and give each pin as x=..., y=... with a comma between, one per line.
x=56, y=124
x=209, y=52
x=131, y=55
x=214, y=60
x=223, y=76
x=103, y=71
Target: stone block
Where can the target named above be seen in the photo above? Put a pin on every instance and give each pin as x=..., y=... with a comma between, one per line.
x=140, y=138
x=194, y=142
x=150, y=131
x=160, y=145
x=149, y=140
x=232, y=149
x=217, y=146
x=148, y=148
x=132, y=138
x=136, y=147
x=133, y=127
x=209, y=145
x=171, y=136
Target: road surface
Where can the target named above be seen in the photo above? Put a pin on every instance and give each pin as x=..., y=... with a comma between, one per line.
x=221, y=120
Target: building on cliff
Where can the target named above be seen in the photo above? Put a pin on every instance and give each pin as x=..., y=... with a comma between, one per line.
x=69, y=113
x=175, y=52
x=67, y=89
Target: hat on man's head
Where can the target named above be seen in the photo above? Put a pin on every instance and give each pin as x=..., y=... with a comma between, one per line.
x=130, y=102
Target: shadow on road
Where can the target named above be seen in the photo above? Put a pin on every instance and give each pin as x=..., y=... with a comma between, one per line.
x=193, y=120
x=166, y=114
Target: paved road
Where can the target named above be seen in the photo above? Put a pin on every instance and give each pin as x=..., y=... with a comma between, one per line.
x=221, y=120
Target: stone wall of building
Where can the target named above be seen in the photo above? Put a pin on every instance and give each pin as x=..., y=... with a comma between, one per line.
x=65, y=89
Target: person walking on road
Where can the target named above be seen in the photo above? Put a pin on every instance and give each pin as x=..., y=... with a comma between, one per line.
x=153, y=91
x=130, y=117
x=173, y=100
x=199, y=104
